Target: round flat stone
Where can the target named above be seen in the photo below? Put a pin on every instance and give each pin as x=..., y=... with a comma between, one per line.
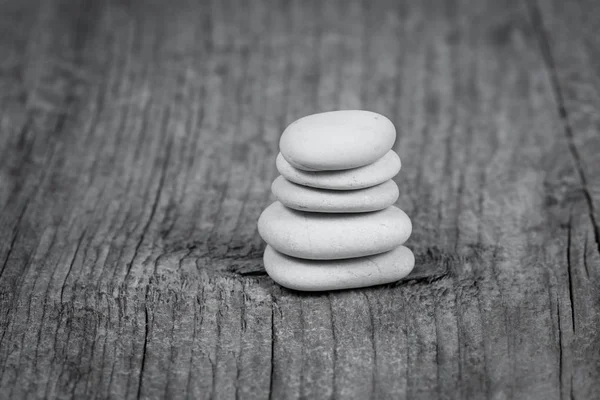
x=337, y=140
x=369, y=175
x=329, y=236
x=305, y=198
x=317, y=275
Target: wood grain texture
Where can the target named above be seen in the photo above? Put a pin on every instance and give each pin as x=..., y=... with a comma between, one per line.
x=137, y=148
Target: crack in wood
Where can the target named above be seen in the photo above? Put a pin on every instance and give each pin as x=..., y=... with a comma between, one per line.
x=145, y=346
x=570, y=273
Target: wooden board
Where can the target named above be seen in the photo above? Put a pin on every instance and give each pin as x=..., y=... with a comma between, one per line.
x=137, y=148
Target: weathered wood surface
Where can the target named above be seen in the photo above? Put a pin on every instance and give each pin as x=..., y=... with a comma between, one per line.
x=137, y=147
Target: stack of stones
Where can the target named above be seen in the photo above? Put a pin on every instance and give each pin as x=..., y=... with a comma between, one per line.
x=334, y=225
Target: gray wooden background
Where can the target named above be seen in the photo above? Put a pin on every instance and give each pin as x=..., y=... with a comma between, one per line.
x=137, y=148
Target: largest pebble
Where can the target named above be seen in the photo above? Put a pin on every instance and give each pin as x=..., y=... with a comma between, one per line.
x=322, y=236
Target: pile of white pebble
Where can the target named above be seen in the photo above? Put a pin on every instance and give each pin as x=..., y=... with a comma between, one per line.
x=334, y=225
